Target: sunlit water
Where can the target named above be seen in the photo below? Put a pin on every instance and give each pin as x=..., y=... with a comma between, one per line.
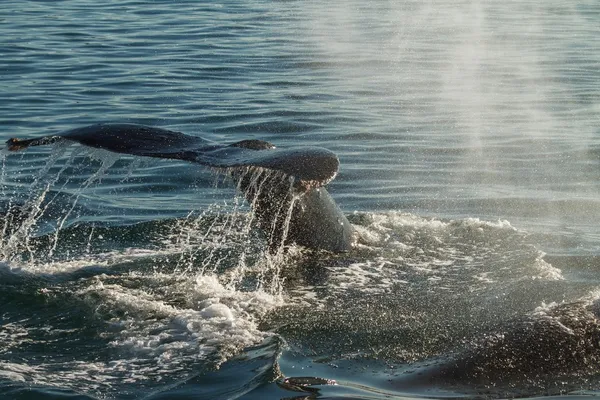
x=469, y=140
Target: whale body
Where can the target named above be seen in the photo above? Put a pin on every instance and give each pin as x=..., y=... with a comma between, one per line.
x=297, y=178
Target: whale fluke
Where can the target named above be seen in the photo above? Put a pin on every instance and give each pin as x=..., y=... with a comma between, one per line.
x=316, y=221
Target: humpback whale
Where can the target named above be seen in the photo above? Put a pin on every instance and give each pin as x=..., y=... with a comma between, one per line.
x=297, y=181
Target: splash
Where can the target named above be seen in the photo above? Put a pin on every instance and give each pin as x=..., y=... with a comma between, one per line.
x=257, y=185
x=191, y=295
x=223, y=239
x=20, y=221
x=107, y=159
x=413, y=288
x=220, y=239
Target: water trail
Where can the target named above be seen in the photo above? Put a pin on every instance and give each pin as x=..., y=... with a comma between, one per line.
x=272, y=187
x=270, y=276
x=88, y=246
x=133, y=166
x=184, y=238
x=257, y=182
x=3, y=154
x=274, y=262
x=107, y=159
x=21, y=237
x=193, y=236
x=3, y=195
x=18, y=231
x=223, y=235
x=219, y=240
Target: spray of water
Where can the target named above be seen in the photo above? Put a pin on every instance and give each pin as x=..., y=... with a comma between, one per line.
x=220, y=240
x=20, y=221
x=107, y=160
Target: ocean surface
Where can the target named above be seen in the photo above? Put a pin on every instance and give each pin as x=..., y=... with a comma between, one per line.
x=469, y=139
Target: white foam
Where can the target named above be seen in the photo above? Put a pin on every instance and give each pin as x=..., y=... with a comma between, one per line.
x=469, y=255
x=546, y=271
x=158, y=325
x=15, y=372
x=210, y=318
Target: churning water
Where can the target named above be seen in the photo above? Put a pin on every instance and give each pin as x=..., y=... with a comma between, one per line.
x=469, y=139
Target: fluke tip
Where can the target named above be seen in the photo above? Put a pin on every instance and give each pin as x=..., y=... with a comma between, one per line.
x=15, y=144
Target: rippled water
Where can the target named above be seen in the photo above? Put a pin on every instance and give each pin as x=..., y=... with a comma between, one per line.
x=469, y=139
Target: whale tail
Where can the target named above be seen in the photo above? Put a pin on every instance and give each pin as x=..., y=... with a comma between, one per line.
x=297, y=183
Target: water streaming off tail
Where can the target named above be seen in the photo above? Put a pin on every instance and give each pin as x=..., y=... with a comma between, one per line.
x=162, y=299
x=22, y=216
x=221, y=239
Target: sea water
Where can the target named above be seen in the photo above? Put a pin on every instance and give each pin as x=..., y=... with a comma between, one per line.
x=469, y=141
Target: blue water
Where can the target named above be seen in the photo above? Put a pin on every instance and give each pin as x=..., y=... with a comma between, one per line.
x=469, y=139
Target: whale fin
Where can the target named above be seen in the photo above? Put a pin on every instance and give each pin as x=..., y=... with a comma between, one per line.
x=315, y=165
x=316, y=220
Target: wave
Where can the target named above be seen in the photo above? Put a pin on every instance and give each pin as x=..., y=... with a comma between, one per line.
x=159, y=305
